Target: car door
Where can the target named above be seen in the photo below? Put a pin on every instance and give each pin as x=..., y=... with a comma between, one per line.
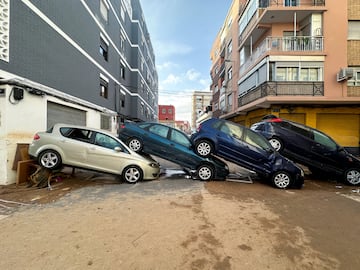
x=74, y=142
x=156, y=141
x=230, y=143
x=324, y=153
x=102, y=156
x=180, y=149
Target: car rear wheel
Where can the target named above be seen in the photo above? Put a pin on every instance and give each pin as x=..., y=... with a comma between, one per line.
x=276, y=144
x=281, y=179
x=352, y=177
x=205, y=172
x=132, y=174
x=204, y=148
x=135, y=144
x=50, y=159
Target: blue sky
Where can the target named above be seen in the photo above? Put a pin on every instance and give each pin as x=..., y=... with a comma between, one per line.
x=182, y=33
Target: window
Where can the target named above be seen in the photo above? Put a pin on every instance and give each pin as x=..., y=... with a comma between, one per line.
x=229, y=73
x=229, y=48
x=354, y=30
x=170, y=111
x=106, y=141
x=77, y=134
x=122, y=41
x=105, y=122
x=180, y=138
x=291, y=3
x=104, y=83
x=309, y=74
x=163, y=111
x=324, y=140
x=122, y=70
x=159, y=130
x=355, y=80
x=104, y=9
x=104, y=47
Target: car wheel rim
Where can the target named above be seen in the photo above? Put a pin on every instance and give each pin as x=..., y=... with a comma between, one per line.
x=282, y=180
x=49, y=160
x=275, y=144
x=205, y=173
x=132, y=175
x=135, y=145
x=204, y=149
x=353, y=177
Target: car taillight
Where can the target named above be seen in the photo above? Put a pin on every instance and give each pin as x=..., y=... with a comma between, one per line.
x=36, y=137
x=122, y=126
x=275, y=120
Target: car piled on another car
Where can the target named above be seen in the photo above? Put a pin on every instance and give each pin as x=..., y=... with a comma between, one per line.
x=173, y=145
x=310, y=147
x=90, y=149
x=248, y=149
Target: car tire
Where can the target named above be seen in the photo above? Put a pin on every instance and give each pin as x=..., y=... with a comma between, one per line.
x=276, y=143
x=132, y=174
x=204, y=148
x=135, y=144
x=281, y=180
x=205, y=172
x=50, y=159
x=352, y=177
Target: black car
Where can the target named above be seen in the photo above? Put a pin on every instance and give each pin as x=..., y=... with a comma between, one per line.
x=310, y=147
x=173, y=145
x=248, y=149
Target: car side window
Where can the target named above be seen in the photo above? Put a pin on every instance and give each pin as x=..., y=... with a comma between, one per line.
x=159, y=130
x=83, y=135
x=324, y=140
x=301, y=130
x=180, y=138
x=106, y=141
x=256, y=140
x=232, y=130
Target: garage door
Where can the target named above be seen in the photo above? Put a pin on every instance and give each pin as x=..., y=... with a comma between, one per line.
x=57, y=113
x=296, y=117
x=343, y=128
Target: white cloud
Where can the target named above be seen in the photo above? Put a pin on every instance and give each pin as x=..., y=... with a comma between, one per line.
x=166, y=66
x=192, y=74
x=171, y=79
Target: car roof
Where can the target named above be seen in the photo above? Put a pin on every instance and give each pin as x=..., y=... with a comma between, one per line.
x=61, y=125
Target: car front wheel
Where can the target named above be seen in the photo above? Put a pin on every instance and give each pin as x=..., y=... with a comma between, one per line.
x=205, y=172
x=204, y=148
x=132, y=174
x=50, y=159
x=352, y=177
x=135, y=144
x=276, y=144
x=281, y=180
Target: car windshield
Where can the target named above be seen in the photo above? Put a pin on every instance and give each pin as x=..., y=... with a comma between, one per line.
x=256, y=140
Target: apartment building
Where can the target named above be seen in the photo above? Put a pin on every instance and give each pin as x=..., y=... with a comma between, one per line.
x=78, y=62
x=294, y=64
x=167, y=115
x=201, y=106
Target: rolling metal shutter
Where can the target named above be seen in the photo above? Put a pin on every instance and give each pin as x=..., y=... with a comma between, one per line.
x=57, y=113
x=343, y=128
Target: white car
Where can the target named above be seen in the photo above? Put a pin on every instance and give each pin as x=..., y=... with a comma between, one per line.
x=92, y=149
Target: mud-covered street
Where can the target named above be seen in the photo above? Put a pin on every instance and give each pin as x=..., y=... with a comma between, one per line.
x=178, y=223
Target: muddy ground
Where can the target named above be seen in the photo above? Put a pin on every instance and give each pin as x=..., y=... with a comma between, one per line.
x=93, y=221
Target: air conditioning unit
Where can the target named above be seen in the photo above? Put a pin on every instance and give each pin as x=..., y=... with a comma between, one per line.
x=344, y=74
x=224, y=83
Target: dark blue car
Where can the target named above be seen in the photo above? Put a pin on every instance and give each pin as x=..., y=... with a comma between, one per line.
x=173, y=145
x=248, y=149
x=310, y=147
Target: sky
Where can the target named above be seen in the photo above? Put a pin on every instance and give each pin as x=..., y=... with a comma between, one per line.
x=182, y=33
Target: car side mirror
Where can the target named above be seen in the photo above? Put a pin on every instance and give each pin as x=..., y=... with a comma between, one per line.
x=118, y=149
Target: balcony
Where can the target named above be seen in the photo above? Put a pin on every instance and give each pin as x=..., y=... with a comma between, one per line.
x=290, y=3
x=273, y=45
x=282, y=89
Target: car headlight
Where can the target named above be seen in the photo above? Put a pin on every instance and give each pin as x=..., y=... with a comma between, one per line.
x=154, y=165
x=302, y=172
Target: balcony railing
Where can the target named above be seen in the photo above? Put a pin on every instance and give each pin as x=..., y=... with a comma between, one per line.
x=290, y=3
x=284, y=44
x=282, y=89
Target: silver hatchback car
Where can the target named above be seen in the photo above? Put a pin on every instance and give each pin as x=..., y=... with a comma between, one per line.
x=91, y=149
